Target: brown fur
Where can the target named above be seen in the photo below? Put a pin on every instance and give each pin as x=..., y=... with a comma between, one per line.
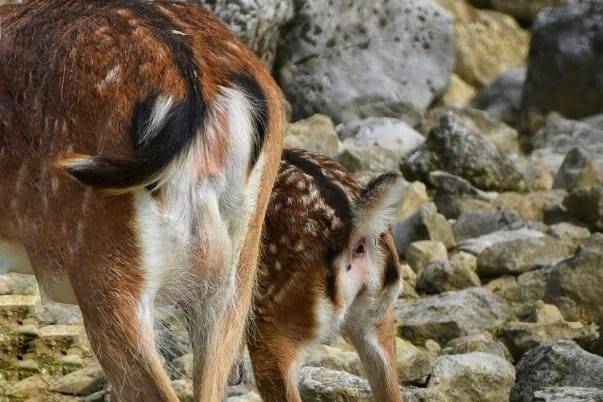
x=70, y=73
x=303, y=228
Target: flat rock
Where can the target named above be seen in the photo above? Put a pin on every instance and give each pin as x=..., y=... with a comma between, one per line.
x=450, y=315
x=569, y=394
x=558, y=364
x=475, y=376
x=81, y=382
x=472, y=224
x=479, y=244
x=481, y=342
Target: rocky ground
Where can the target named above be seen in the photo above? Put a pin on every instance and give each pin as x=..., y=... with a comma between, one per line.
x=493, y=111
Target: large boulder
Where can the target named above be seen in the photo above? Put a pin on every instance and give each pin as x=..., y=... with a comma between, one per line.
x=257, y=22
x=562, y=363
x=564, y=62
x=480, y=54
x=574, y=285
x=350, y=60
x=454, y=148
x=450, y=315
x=569, y=394
x=502, y=97
x=476, y=376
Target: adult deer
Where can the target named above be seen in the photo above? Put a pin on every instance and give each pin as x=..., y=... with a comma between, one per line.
x=329, y=265
x=139, y=142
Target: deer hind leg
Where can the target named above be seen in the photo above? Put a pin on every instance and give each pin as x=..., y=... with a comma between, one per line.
x=120, y=328
x=375, y=344
x=274, y=361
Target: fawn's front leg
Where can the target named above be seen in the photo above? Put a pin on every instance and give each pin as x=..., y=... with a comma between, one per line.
x=373, y=336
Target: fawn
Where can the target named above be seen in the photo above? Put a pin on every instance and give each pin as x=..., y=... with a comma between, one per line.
x=329, y=264
x=139, y=143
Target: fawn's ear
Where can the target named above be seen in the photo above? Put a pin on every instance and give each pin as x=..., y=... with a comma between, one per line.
x=374, y=209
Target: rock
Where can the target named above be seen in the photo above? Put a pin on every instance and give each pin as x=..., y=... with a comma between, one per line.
x=477, y=245
x=501, y=98
x=561, y=363
x=413, y=196
x=560, y=136
x=537, y=174
x=30, y=386
x=532, y=285
x=422, y=253
x=459, y=93
x=442, y=276
x=81, y=382
x=324, y=385
x=524, y=10
x=569, y=233
x=578, y=170
x=349, y=62
x=536, y=205
x=334, y=358
x=18, y=284
x=425, y=224
x=568, y=394
x=409, y=276
x=15, y=307
x=523, y=336
x=586, y=204
x=478, y=223
x=571, y=284
x=414, y=364
x=450, y=315
x=377, y=143
x=562, y=65
x=447, y=184
x=452, y=147
x=481, y=342
x=516, y=256
x=473, y=376
x=257, y=23
x=498, y=133
x=316, y=134
x=184, y=389
x=480, y=54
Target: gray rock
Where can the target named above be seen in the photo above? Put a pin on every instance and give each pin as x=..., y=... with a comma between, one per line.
x=425, y=224
x=559, y=136
x=523, y=336
x=573, y=285
x=586, y=204
x=521, y=9
x=482, y=342
x=258, y=23
x=442, y=276
x=422, y=253
x=450, y=315
x=413, y=363
x=350, y=61
x=516, y=256
x=569, y=394
x=448, y=184
x=562, y=363
x=377, y=143
x=84, y=381
x=502, y=97
x=498, y=133
x=578, y=170
x=316, y=134
x=452, y=147
x=479, y=244
x=475, y=376
x=473, y=224
x=563, y=63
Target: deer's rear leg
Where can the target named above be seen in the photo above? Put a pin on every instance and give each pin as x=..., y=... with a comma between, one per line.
x=274, y=361
x=120, y=327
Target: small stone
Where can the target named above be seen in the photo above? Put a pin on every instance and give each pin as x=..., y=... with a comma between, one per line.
x=578, y=170
x=413, y=196
x=414, y=364
x=587, y=205
x=473, y=376
x=481, y=342
x=184, y=389
x=433, y=347
x=321, y=385
x=459, y=93
x=334, y=358
x=442, y=276
x=316, y=133
x=422, y=253
x=501, y=98
x=80, y=382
